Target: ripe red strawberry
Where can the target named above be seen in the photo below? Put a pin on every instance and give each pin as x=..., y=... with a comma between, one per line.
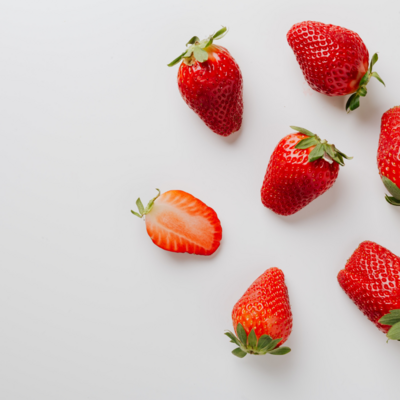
x=334, y=60
x=301, y=168
x=176, y=221
x=371, y=279
x=389, y=154
x=211, y=84
x=262, y=318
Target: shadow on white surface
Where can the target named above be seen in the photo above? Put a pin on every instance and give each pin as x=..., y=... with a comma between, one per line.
x=234, y=136
x=272, y=367
x=337, y=101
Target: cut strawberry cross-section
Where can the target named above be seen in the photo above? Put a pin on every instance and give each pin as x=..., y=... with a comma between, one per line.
x=179, y=222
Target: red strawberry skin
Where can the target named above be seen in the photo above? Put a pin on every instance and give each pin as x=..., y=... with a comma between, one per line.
x=371, y=279
x=181, y=223
x=265, y=307
x=333, y=59
x=214, y=90
x=389, y=146
x=291, y=182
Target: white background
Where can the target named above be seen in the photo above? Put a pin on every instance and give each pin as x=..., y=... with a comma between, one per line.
x=91, y=118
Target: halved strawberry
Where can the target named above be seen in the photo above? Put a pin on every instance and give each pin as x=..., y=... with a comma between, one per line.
x=176, y=221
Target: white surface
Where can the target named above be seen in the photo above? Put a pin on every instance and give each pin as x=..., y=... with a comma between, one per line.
x=91, y=118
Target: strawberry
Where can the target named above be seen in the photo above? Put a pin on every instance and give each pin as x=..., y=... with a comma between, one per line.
x=371, y=278
x=262, y=318
x=211, y=84
x=389, y=154
x=301, y=168
x=334, y=60
x=176, y=221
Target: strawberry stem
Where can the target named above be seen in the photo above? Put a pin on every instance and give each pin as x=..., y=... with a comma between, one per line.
x=196, y=50
x=143, y=211
x=322, y=148
x=354, y=100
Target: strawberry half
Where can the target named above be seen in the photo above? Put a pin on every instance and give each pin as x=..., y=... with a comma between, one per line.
x=301, y=168
x=176, y=221
x=211, y=84
x=389, y=154
x=334, y=60
x=262, y=318
x=371, y=279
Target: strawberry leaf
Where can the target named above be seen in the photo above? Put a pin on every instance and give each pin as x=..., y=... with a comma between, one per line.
x=280, y=351
x=200, y=55
x=263, y=342
x=233, y=338
x=374, y=59
x=376, y=75
x=188, y=53
x=394, y=332
x=317, y=153
x=391, y=318
x=362, y=91
x=206, y=43
x=393, y=189
x=241, y=334
x=252, y=339
x=177, y=59
x=140, y=206
x=364, y=79
x=353, y=102
x=306, y=143
x=193, y=40
x=272, y=344
x=302, y=130
x=392, y=201
x=238, y=352
x=220, y=34
x=135, y=213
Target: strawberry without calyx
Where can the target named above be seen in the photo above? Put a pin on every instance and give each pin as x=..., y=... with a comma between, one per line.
x=262, y=318
x=389, y=154
x=371, y=279
x=298, y=172
x=176, y=221
x=334, y=60
x=211, y=84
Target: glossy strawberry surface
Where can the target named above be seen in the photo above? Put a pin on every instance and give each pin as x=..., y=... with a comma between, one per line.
x=389, y=146
x=371, y=279
x=291, y=181
x=214, y=90
x=265, y=307
x=181, y=223
x=333, y=59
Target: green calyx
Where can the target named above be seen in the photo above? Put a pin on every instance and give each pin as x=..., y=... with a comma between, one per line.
x=143, y=211
x=251, y=345
x=354, y=100
x=392, y=319
x=393, y=190
x=322, y=148
x=196, y=48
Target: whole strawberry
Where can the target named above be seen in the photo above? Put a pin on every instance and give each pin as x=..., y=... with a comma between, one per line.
x=334, y=60
x=262, y=318
x=371, y=279
x=301, y=168
x=389, y=154
x=211, y=84
x=179, y=222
